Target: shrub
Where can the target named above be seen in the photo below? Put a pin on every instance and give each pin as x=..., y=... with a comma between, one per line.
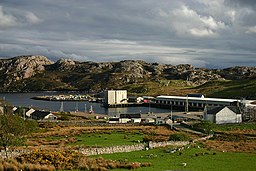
x=179, y=137
x=71, y=160
x=60, y=159
x=13, y=165
x=205, y=126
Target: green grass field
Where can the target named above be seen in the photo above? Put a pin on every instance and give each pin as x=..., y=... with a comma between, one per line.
x=109, y=139
x=241, y=126
x=222, y=89
x=229, y=89
x=197, y=159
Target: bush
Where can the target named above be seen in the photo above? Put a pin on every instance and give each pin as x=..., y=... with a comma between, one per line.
x=179, y=137
x=72, y=160
x=64, y=117
x=205, y=126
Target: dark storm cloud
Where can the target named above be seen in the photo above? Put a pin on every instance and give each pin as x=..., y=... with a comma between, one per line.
x=177, y=31
x=247, y=3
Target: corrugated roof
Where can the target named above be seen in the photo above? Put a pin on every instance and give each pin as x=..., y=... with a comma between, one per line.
x=215, y=110
x=196, y=98
x=40, y=114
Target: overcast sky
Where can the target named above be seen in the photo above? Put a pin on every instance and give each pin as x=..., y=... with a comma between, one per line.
x=204, y=33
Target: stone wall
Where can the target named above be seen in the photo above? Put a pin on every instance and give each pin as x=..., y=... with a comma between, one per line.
x=167, y=143
x=112, y=149
x=117, y=149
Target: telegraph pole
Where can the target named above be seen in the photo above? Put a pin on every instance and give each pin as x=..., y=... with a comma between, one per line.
x=171, y=118
x=61, y=107
x=85, y=110
x=24, y=113
x=186, y=107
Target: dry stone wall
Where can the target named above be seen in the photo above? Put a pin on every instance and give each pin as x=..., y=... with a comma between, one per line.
x=116, y=149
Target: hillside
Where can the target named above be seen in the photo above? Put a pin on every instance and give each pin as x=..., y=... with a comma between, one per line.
x=38, y=73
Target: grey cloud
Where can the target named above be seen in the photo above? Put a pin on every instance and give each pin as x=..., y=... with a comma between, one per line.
x=119, y=29
x=247, y=3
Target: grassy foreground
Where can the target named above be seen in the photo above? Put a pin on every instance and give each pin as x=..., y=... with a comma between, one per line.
x=196, y=159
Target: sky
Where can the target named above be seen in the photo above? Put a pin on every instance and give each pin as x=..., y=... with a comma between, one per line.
x=204, y=33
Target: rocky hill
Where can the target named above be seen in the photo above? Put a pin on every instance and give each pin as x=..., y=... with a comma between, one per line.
x=34, y=73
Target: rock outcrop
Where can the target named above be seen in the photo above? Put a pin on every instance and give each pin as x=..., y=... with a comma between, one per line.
x=25, y=71
x=21, y=67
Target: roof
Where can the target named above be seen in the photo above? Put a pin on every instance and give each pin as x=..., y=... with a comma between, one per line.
x=235, y=109
x=136, y=115
x=215, y=110
x=196, y=98
x=196, y=95
x=113, y=119
x=40, y=114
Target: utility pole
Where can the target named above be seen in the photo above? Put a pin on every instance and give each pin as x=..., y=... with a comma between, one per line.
x=186, y=107
x=24, y=113
x=171, y=118
x=149, y=106
x=76, y=107
x=85, y=110
x=61, y=107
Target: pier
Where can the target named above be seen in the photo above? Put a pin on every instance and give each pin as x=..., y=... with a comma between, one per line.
x=123, y=105
x=63, y=98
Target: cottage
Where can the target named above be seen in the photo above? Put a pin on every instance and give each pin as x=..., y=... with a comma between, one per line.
x=160, y=120
x=149, y=120
x=113, y=120
x=40, y=115
x=222, y=115
x=134, y=118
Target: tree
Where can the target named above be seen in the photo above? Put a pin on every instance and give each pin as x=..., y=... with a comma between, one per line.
x=13, y=130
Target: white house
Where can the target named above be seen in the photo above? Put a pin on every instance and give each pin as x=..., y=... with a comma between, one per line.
x=125, y=118
x=160, y=121
x=149, y=120
x=134, y=118
x=113, y=120
x=222, y=115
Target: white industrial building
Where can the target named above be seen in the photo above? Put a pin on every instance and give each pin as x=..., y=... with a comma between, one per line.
x=115, y=97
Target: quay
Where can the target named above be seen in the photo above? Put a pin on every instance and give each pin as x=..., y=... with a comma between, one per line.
x=123, y=105
x=63, y=98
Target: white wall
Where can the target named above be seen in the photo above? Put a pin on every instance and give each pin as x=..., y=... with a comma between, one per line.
x=209, y=117
x=124, y=120
x=110, y=97
x=226, y=116
x=115, y=96
x=29, y=112
x=51, y=116
x=121, y=96
x=136, y=120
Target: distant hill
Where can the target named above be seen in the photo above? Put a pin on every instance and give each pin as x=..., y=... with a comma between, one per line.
x=38, y=73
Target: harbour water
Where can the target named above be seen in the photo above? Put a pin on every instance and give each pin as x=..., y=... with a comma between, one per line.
x=24, y=99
